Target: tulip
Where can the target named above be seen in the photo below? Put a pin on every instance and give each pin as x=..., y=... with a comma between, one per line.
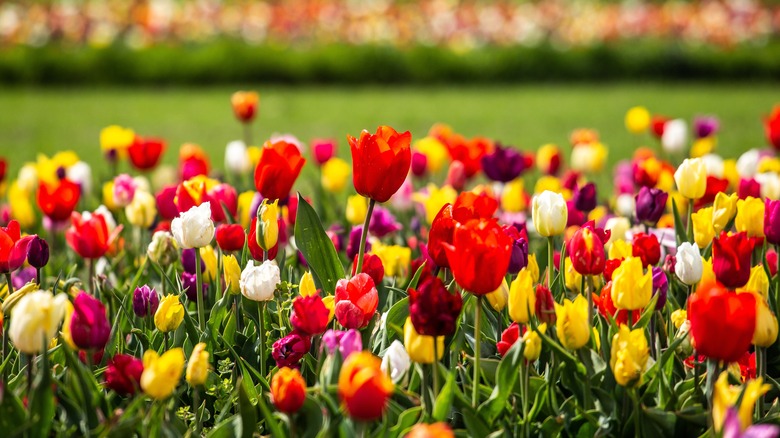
x=124, y=188
x=647, y=248
x=145, y=153
x=691, y=178
x=441, y=234
x=142, y=211
x=509, y=336
x=766, y=330
x=162, y=373
x=383, y=223
x=722, y=322
x=479, y=256
x=356, y=301
x=549, y=214
x=193, y=161
x=548, y=159
x=772, y=221
x=115, y=140
x=267, y=225
x=572, y=323
x=589, y=157
x=232, y=273
x=757, y=283
x=650, y=205
x=420, y=347
x=395, y=258
x=279, y=167
x=20, y=206
x=237, y=158
x=608, y=310
x=363, y=387
x=38, y=252
x=772, y=127
x=632, y=288
x=504, y=164
x=145, y=301
x=419, y=165
x=373, y=266
x=750, y=217
x=533, y=343
x=162, y=249
x=499, y=297
x=335, y=174
x=244, y=105
x=637, y=120
x=230, y=237
x=306, y=286
x=123, y=374
x=357, y=209
x=258, y=253
x=258, y=283
x=725, y=397
x=288, y=390
x=433, y=309
x=194, y=228
x=435, y=430
x=35, y=319
x=675, y=136
x=620, y=249
x=89, y=326
x=14, y=249
x=345, y=343
x=198, y=365
x=629, y=355
x=380, y=162
x=289, y=350
x=57, y=201
x=731, y=259
x=586, y=252
x=703, y=230
x=585, y=198
x=169, y=314
x=519, y=258
x=545, y=309
x=522, y=298
x=309, y=315
x=396, y=361
x=688, y=266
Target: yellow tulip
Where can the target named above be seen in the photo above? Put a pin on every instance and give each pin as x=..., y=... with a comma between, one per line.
x=522, y=298
x=703, y=231
x=306, y=287
x=620, y=249
x=589, y=157
x=533, y=268
x=435, y=199
x=254, y=153
x=162, y=373
x=571, y=278
x=169, y=315
x=765, y=333
x=116, y=138
x=632, y=288
x=435, y=152
x=533, y=343
x=678, y=318
x=335, y=175
x=629, y=355
x=209, y=257
x=665, y=180
x=108, y=196
x=545, y=155
x=330, y=303
x=357, y=208
x=65, y=331
x=723, y=210
x=21, y=207
x=758, y=282
x=198, y=365
x=513, y=196
x=420, y=347
x=637, y=120
x=244, y=206
x=725, y=396
x=548, y=183
x=232, y=272
x=572, y=323
x=395, y=258
x=707, y=274
x=703, y=146
x=691, y=178
x=750, y=216
x=498, y=298
x=35, y=319
x=142, y=211
x=267, y=229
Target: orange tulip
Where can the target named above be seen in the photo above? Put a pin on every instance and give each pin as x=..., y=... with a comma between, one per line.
x=288, y=390
x=363, y=387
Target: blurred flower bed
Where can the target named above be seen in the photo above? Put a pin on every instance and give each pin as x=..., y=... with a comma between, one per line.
x=334, y=41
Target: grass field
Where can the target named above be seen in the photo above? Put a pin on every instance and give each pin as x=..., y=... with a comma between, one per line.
x=48, y=120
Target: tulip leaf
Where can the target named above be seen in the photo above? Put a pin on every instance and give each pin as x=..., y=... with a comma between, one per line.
x=443, y=403
x=406, y=420
x=247, y=410
x=317, y=248
x=679, y=228
x=309, y=419
x=416, y=278
x=647, y=313
x=229, y=428
x=42, y=399
x=506, y=377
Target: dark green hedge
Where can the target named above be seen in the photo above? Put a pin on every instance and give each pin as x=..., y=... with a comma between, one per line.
x=232, y=62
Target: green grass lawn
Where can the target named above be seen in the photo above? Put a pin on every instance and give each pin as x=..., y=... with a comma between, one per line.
x=47, y=120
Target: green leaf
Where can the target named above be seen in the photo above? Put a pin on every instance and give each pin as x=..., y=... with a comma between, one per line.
x=506, y=377
x=443, y=403
x=406, y=420
x=248, y=413
x=229, y=428
x=309, y=419
x=679, y=228
x=317, y=248
x=648, y=313
x=42, y=400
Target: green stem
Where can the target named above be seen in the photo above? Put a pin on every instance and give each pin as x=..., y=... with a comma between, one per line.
x=247, y=134
x=261, y=331
x=435, y=365
x=761, y=368
x=199, y=292
x=165, y=340
x=477, y=350
x=525, y=371
x=6, y=350
x=364, y=236
x=689, y=227
x=550, y=260
x=637, y=410
x=92, y=277
x=196, y=408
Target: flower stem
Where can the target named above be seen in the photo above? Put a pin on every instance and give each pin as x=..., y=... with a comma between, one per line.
x=364, y=236
x=6, y=351
x=550, y=260
x=637, y=410
x=92, y=277
x=261, y=332
x=196, y=408
x=199, y=292
x=247, y=134
x=477, y=350
x=525, y=370
x=761, y=373
x=435, y=365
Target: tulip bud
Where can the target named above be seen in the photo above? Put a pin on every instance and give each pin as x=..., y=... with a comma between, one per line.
x=89, y=326
x=585, y=197
x=232, y=274
x=162, y=249
x=456, y=175
x=324, y=150
x=691, y=178
x=750, y=217
x=420, y=347
x=245, y=105
x=258, y=283
x=169, y=314
x=396, y=361
x=198, y=365
x=545, y=305
x=288, y=390
x=194, y=228
x=267, y=226
x=145, y=301
x=419, y=164
x=650, y=205
x=499, y=297
x=533, y=343
x=289, y=350
x=38, y=252
x=522, y=298
x=632, y=288
x=549, y=213
x=230, y=237
x=675, y=136
x=309, y=315
x=437, y=430
x=766, y=330
x=162, y=373
x=637, y=120
x=142, y=211
x=629, y=355
x=572, y=323
x=123, y=374
x=35, y=319
x=345, y=342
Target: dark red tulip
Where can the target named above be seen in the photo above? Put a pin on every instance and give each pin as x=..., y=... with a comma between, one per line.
x=288, y=351
x=123, y=374
x=309, y=315
x=731, y=259
x=230, y=237
x=434, y=310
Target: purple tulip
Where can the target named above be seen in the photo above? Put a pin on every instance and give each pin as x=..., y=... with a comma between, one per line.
x=353, y=245
x=705, y=126
x=504, y=164
x=585, y=197
x=346, y=342
x=38, y=252
x=383, y=222
x=188, y=261
x=145, y=301
x=288, y=351
x=772, y=221
x=22, y=277
x=660, y=286
x=650, y=205
x=519, y=258
x=732, y=427
x=189, y=284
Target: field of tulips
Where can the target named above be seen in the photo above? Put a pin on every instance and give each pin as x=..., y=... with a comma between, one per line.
x=431, y=287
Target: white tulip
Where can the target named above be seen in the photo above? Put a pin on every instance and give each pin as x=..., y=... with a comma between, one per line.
x=28, y=178
x=162, y=249
x=81, y=174
x=194, y=228
x=237, y=157
x=675, y=136
x=35, y=320
x=714, y=165
x=770, y=185
x=549, y=213
x=258, y=283
x=747, y=164
x=142, y=184
x=618, y=226
x=624, y=205
x=396, y=361
x=688, y=266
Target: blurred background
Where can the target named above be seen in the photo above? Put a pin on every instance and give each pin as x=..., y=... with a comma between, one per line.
x=523, y=72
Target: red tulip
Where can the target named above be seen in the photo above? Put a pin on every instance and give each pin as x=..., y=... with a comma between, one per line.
x=658, y=123
x=88, y=235
x=193, y=161
x=166, y=205
x=145, y=153
x=245, y=105
x=89, y=325
x=479, y=255
x=468, y=152
x=57, y=201
x=223, y=197
x=380, y=162
x=309, y=315
x=586, y=252
x=508, y=338
x=230, y=237
x=254, y=249
x=3, y=168
x=123, y=374
x=470, y=205
x=772, y=127
x=611, y=265
x=434, y=309
x=442, y=230
x=647, y=248
x=722, y=322
x=13, y=247
x=279, y=167
x=731, y=259
x=372, y=265
x=545, y=305
x=356, y=301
